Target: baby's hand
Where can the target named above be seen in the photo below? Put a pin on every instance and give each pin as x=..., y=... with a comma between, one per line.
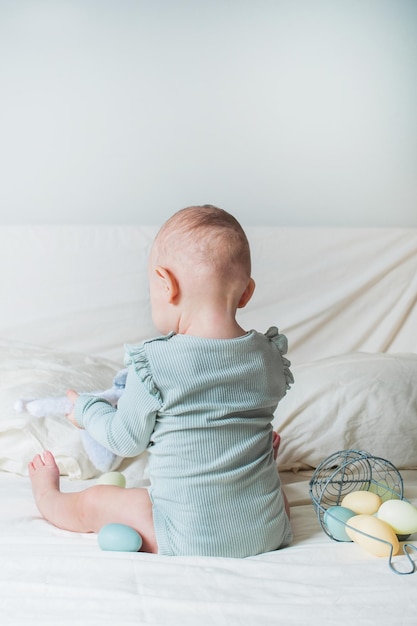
x=72, y=397
x=276, y=440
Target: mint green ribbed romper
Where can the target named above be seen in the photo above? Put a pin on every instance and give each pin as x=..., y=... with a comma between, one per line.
x=203, y=409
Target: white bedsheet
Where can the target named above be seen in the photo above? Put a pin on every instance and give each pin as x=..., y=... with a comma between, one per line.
x=50, y=576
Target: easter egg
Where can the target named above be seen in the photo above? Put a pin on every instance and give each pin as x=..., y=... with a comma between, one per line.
x=383, y=490
x=335, y=519
x=400, y=515
x=362, y=502
x=112, y=478
x=119, y=538
x=378, y=535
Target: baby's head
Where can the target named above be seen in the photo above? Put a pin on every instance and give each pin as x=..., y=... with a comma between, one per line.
x=206, y=251
x=204, y=237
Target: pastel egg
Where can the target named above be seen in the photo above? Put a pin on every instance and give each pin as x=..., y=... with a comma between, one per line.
x=119, y=538
x=378, y=535
x=362, y=502
x=112, y=478
x=383, y=490
x=400, y=515
x=335, y=519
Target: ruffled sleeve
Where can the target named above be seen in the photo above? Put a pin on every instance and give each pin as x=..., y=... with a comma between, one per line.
x=136, y=357
x=281, y=343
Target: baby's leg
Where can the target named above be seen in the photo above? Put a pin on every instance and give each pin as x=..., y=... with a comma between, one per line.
x=89, y=510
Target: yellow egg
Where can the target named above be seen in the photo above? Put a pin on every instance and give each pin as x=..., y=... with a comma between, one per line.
x=400, y=515
x=112, y=478
x=362, y=502
x=376, y=530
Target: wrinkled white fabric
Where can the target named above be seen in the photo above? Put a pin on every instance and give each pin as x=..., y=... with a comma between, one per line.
x=51, y=576
x=332, y=291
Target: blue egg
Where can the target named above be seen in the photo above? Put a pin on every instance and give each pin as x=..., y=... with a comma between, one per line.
x=335, y=519
x=119, y=538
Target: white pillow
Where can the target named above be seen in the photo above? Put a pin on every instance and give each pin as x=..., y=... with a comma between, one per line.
x=33, y=372
x=355, y=401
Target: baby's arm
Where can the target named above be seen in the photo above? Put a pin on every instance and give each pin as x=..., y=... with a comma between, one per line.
x=276, y=440
x=126, y=429
x=61, y=405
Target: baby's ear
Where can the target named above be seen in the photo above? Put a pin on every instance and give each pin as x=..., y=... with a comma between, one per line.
x=169, y=283
x=247, y=294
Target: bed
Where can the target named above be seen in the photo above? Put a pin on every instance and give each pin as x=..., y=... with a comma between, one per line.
x=345, y=298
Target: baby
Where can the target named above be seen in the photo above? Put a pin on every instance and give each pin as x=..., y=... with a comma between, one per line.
x=200, y=398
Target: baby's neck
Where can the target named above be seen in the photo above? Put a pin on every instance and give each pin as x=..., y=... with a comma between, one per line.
x=211, y=327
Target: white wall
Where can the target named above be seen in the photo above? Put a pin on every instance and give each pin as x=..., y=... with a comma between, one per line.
x=289, y=112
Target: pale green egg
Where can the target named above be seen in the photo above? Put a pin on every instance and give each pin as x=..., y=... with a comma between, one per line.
x=112, y=478
x=383, y=490
x=400, y=515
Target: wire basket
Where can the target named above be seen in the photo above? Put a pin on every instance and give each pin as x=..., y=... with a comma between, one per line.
x=357, y=470
x=352, y=470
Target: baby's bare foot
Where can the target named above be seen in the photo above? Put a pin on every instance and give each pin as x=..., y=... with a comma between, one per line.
x=44, y=476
